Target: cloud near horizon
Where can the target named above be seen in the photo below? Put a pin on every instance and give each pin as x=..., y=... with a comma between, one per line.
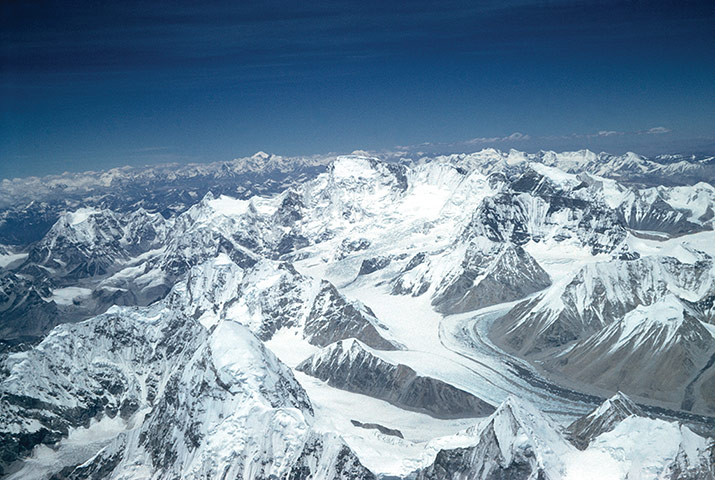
x=516, y=136
x=614, y=133
x=658, y=130
x=528, y=139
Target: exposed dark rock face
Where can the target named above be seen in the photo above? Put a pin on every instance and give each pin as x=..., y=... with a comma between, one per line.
x=414, y=261
x=684, y=467
x=607, y=328
x=201, y=395
x=655, y=359
x=100, y=467
x=189, y=383
x=535, y=207
x=333, y=318
x=291, y=209
x=656, y=216
x=535, y=183
x=349, y=365
x=489, y=278
x=349, y=246
x=24, y=314
x=89, y=243
x=287, y=299
x=380, y=428
x=80, y=250
x=316, y=462
x=372, y=265
x=462, y=463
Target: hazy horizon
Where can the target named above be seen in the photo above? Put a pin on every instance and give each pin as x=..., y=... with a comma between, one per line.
x=87, y=87
x=327, y=156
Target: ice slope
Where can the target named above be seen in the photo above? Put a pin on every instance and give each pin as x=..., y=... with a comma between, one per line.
x=645, y=448
x=185, y=392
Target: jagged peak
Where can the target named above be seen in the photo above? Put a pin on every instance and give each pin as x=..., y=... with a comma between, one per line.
x=88, y=226
x=348, y=348
x=602, y=419
x=619, y=404
x=633, y=156
x=361, y=153
x=517, y=408
x=522, y=415
x=659, y=326
x=489, y=151
x=516, y=157
x=81, y=218
x=519, y=429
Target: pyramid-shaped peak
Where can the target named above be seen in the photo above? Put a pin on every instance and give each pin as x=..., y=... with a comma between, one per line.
x=516, y=418
x=619, y=403
x=516, y=441
x=516, y=407
x=602, y=419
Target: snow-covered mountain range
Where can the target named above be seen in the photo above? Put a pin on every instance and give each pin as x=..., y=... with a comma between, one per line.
x=486, y=315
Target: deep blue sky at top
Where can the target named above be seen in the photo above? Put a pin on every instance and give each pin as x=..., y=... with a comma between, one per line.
x=91, y=85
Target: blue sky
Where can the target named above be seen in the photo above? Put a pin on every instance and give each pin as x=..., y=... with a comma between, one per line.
x=91, y=86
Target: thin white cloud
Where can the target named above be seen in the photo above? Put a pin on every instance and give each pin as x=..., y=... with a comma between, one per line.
x=657, y=130
x=474, y=141
x=514, y=137
x=616, y=133
x=481, y=142
x=517, y=136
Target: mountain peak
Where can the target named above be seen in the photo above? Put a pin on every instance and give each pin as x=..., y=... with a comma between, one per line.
x=516, y=441
x=622, y=402
x=81, y=215
x=619, y=405
x=602, y=419
x=665, y=315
